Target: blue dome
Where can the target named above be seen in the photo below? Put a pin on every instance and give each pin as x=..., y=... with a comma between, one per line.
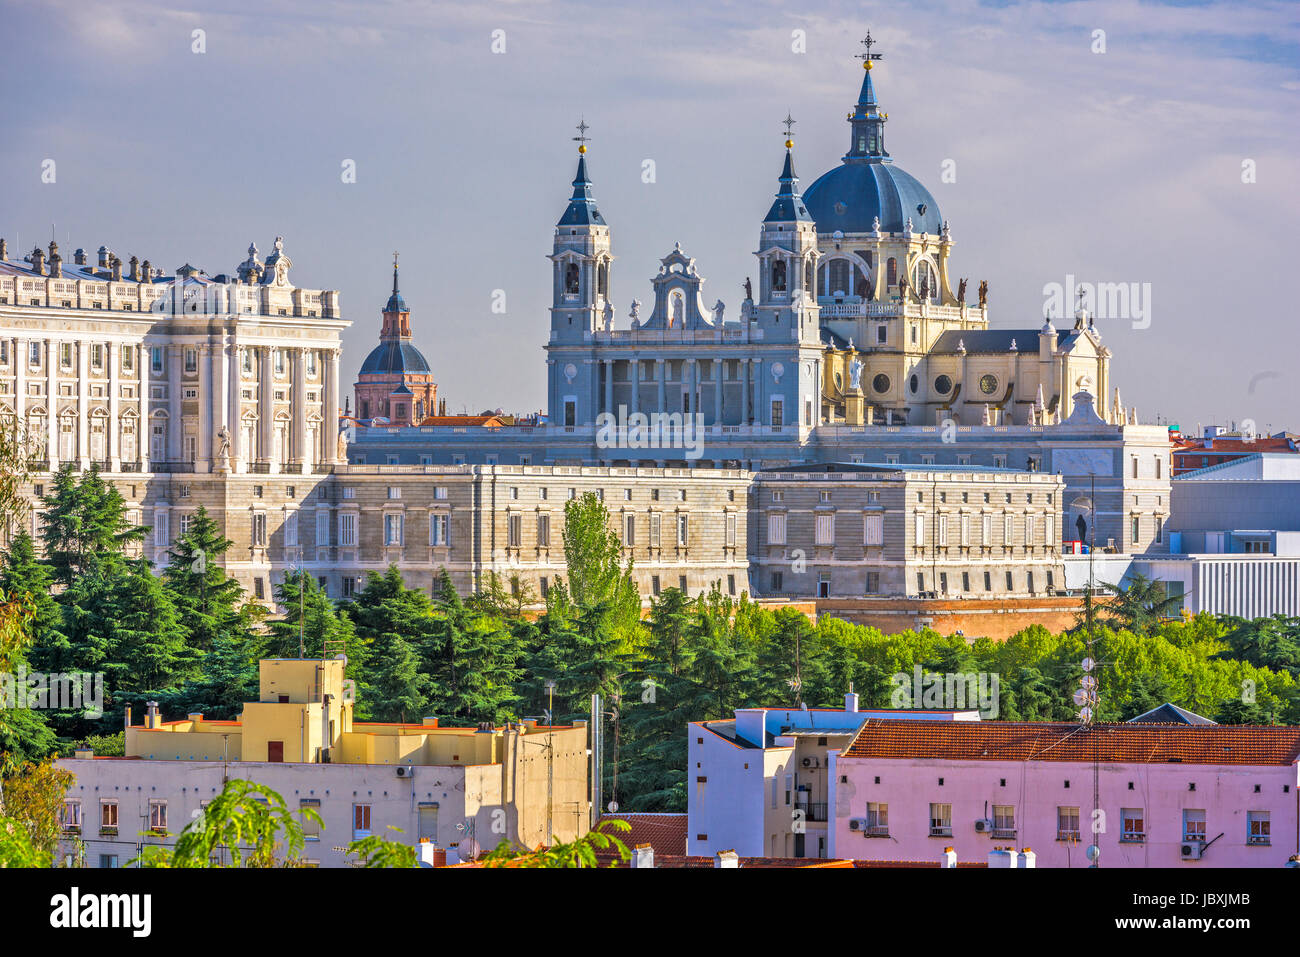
x=852, y=195
x=394, y=358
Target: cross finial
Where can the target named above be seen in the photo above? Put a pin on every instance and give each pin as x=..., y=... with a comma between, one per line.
x=582, y=137
x=788, y=123
x=867, y=57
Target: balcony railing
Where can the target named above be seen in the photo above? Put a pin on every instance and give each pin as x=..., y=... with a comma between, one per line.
x=876, y=830
x=1071, y=836
x=941, y=830
x=816, y=812
x=1004, y=833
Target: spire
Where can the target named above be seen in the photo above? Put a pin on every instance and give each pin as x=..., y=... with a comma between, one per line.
x=788, y=206
x=582, y=209
x=396, y=303
x=866, y=120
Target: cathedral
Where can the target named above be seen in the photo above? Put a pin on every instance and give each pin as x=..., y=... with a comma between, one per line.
x=395, y=385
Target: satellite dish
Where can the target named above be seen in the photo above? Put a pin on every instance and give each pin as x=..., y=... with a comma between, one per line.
x=613, y=807
x=1088, y=664
x=1088, y=681
x=1085, y=715
x=1093, y=852
x=1081, y=697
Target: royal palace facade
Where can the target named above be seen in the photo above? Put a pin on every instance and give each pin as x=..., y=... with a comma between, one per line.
x=857, y=375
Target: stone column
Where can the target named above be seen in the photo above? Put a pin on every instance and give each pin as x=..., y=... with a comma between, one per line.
x=206, y=357
x=83, y=404
x=717, y=391
x=744, y=391
x=52, y=402
x=298, y=454
x=265, y=406
x=144, y=425
x=114, y=413
x=21, y=348
x=636, y=385
x=234, y=405
x=695, y=386
x=661, y=374
x=175, y=425
x=608, y=366
x=331, y=424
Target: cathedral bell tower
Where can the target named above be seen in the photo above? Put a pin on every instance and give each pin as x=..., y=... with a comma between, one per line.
x=581, y=298
x=787, y=262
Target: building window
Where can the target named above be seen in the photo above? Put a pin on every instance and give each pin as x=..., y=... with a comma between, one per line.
x=258, y=535
x=109, y=860
x=877, y=823
x=1194, y=824
x=543, y=530
x=1004, y=821
x=919, y=538
x=629, y=531
x=1133, y=830
x=393, y=529
x=683, y=530
x=291, y=529
x=65, y=355
x=1137, y=528
x=360, y=821
x=158, y=815
x=941, y=820
x=730, y=530
x=1067, y=824
x=310, y=826
x=655, y=524
x=161, y=533
x=1257, y=824
x=777, y=581
x=776, y=528
x=873, y=583
x=322, y=527
x=108, y=814
x=514, y=530
x=70, y=816
x=394, y=491
x=873, y=529
x=191, y=360
x=348, y=530
x=824, y=531
x=778, y=413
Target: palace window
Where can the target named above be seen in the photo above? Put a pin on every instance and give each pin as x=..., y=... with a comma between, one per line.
x=778, y=276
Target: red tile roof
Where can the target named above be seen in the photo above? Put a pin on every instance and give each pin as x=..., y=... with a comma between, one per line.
x=666, y=833
x=1041, y=741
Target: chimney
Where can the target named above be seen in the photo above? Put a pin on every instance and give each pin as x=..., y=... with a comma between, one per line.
x=1028, y=858
x=1003, y=857
x=726, y=859
x=195, y=716
x=643, y=855
x=4, y=249
x=135, y=269
x=38, y=261
x=79, y=257
x=151, y=714
x=431, y=855
x=105, y=257
x=851, y=702
x=429, y=722
x=949, y=859
x=146, y=272
x=56, y=263
x=117, y=269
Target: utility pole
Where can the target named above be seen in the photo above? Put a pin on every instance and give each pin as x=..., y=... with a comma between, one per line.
x=550, y=761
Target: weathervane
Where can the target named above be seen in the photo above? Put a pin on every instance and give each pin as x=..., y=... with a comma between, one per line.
x=867, y=57
x=788, y=123
x=582, y=137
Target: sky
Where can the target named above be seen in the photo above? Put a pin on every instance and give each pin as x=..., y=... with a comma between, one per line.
x=1160, y=152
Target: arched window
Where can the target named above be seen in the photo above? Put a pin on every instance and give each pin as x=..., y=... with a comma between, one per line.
x=571, y=279
x=924, y=277
x=839, y=277
x=778, y=276
x=891, y=271
x=808, y=275
x=602, y=279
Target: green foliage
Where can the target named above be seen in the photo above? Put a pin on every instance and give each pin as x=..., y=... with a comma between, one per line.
x=377, y=851
x=312, y=619
x=580, y=852
x=248, y=823
x=85, y=527
x=593, y=557
x=472, y=660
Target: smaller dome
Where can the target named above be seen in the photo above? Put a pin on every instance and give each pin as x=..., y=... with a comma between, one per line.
x=394, y=358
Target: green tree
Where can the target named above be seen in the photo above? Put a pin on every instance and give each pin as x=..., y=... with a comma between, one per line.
x=85, y=527
x=581, y=852
x=1139, y=606
x=311, y=617
x=208, y=599
x=473, y=660
x=593, y=558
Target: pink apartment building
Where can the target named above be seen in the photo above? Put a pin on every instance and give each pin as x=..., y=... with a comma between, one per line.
x=1170, y=795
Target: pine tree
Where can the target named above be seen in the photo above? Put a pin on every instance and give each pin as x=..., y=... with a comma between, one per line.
x=311, y=617
x=27, y=579
x=85, y=529
x=472, y=661
x=147, y=649
x=207, y=599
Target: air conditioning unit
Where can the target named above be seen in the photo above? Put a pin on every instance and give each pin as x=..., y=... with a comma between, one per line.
x=1192, y=851
x=857, y=824
x=405, y=771
x=983, y=826
x=811, y=763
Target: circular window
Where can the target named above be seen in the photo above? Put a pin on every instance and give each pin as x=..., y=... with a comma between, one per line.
x=943, y=385
x=988, y=384
x=880, y=383
x=915, y=384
